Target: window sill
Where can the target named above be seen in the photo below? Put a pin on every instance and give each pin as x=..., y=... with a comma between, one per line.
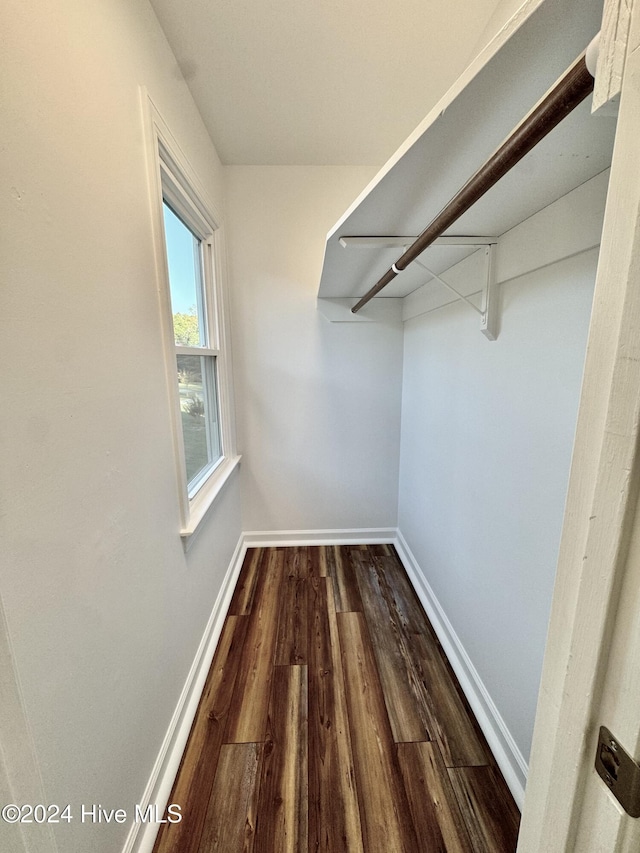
x=202, y=502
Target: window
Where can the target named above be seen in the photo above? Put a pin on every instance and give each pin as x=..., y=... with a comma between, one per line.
x=195, y=357
x=188, y=249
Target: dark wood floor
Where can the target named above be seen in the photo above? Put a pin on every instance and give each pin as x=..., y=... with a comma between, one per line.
x=332, y=721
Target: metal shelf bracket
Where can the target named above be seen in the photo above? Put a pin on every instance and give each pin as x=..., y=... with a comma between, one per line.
x=489, y=310
x=489, y=316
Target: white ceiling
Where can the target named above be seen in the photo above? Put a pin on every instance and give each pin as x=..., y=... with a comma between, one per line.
x=298, y=82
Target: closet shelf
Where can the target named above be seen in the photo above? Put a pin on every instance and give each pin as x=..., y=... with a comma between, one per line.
x=472, y=120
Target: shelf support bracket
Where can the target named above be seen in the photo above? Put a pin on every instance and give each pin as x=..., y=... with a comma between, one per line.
x=489, y=309
x=489, y=316
x=450, y=287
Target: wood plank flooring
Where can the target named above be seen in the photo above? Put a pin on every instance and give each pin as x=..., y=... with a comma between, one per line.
x=331, y=721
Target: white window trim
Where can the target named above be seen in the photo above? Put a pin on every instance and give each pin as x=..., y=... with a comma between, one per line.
x=167, y=166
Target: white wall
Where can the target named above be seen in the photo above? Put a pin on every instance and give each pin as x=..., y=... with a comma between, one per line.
x=318, y=403
x=104, y=610
x=487, y=434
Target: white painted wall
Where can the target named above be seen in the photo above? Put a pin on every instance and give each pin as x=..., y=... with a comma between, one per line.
x=487, y=434
x=318, y=403
x=104, y=610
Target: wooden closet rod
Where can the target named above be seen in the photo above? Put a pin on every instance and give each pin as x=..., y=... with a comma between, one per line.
x=565, y=96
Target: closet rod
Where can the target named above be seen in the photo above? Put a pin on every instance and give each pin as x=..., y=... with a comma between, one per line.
x=565, y=96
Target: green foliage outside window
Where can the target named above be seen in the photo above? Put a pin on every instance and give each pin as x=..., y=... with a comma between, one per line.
x=185, y=329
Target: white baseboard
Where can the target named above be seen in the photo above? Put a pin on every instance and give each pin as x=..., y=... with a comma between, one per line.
x=508, y=757
x=142, y=836
x=283, y=538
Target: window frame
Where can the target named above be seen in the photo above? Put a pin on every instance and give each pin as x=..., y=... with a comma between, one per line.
x=207, y=320
x=172, y=179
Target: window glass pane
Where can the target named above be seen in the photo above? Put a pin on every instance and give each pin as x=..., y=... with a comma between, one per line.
x=199, y=414
x=211, y=402
x=185, y=281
